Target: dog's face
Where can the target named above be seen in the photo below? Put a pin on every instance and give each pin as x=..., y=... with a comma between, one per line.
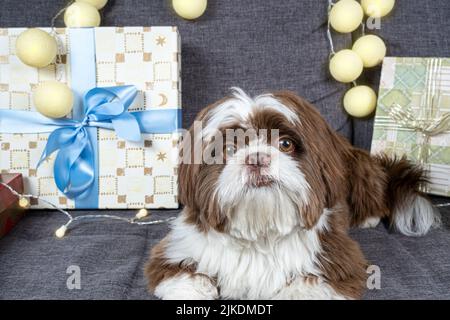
x=268, y=165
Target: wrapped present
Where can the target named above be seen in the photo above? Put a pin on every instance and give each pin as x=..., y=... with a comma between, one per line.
x=10, y=211
x=119, y=159
x=413, y=116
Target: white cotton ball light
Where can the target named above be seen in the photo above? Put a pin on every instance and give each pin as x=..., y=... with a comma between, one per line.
x=98, y=4
x=81, y=15
x=371, y=49
x=36, y=48
x=53, y=99
x=360, y=101
x=346, y=16
x=189, y=9
x=377, y=8
x=346, y=66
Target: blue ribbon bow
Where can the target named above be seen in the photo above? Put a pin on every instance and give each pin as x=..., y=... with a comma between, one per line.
x=75, y=165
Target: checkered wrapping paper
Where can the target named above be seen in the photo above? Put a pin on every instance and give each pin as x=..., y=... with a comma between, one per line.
x=404, y=81
x=131, y=175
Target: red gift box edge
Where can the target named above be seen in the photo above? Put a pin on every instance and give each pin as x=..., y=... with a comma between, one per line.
x=15, y=181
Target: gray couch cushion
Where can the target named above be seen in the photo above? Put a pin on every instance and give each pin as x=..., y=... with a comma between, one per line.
x=111, y=257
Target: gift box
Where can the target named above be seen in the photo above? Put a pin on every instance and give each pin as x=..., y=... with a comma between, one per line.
x=10, y=211
x=140, y=68
x=413, y=116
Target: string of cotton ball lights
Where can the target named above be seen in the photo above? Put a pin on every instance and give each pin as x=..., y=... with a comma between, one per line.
x=347, y=65
x=54, y=34
x=24, y=202
x=37, y=48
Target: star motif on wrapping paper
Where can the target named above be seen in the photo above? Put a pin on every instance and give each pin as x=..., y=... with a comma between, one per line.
x=160, y=41
x=161, y=156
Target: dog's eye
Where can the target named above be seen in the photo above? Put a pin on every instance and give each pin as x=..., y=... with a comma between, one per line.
x=286, y=145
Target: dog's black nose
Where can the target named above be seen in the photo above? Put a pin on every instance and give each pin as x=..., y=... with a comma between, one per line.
x=258, y=159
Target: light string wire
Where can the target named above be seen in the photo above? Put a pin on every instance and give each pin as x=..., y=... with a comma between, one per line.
x=440, y=205
x=59, y=43
x=333, y=52
x=60, y=12
x=71, y=219
x=329, y=37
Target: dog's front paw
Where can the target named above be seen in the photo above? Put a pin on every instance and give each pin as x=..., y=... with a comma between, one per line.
x=371, y=222
x=187, y=287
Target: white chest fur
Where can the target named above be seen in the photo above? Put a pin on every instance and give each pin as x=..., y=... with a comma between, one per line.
x=245, y=269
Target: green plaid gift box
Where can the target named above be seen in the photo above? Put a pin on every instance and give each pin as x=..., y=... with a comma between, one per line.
x=413, y=116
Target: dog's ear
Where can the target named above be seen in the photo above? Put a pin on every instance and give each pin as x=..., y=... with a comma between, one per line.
x=196, y=185
x=187, y=171
x=323, y=161
x=191, y=152
x=195, y=179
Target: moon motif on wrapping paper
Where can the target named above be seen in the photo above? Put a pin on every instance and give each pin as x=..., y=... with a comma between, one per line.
x=163, y=100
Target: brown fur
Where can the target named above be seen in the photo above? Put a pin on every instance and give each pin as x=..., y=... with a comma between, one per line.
x=159, y=269
x=323, y=163
x=404, y=182
x=367, y=187
x=196, y=185
x=342, y=263
x=359, y=185
x=373, y=186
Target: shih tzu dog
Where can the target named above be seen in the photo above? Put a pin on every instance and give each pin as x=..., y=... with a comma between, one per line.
x=271, y=221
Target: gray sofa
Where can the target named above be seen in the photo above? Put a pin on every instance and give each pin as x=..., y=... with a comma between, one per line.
x=258, y=45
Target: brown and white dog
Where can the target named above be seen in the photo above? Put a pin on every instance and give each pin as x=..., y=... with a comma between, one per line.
x=272, y=221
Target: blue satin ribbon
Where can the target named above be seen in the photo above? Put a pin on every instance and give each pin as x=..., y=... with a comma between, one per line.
x=75, y=166
x=83, y=77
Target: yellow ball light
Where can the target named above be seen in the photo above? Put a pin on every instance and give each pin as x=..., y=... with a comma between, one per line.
x=371, y=49
x=36, y=48
x=360, y=101
x=189, y=9
x=98, y=4
x=377, y=8
x=53, y=99
x=80, y=15
x=346, y=66
x=24, y=202
x=346, y=16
